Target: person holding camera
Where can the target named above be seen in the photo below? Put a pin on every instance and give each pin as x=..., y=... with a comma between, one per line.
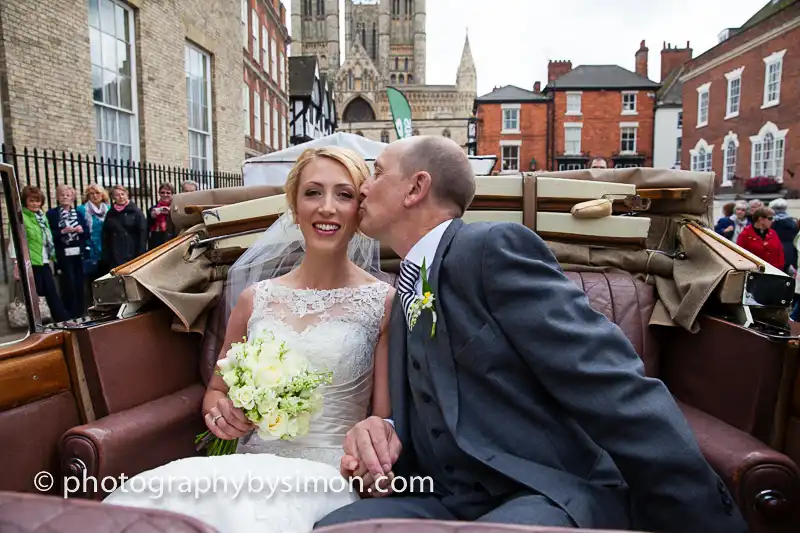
x=158, y=219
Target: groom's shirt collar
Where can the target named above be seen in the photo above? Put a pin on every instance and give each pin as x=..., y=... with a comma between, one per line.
x=426, y=247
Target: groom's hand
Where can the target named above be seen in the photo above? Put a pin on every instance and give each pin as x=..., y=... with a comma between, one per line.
x=374, y=445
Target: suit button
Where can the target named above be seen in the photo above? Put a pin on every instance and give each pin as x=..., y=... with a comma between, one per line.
x=415, y=364
x=426, y=398
x=436, y=433
x=449, y=469
x=478, y=487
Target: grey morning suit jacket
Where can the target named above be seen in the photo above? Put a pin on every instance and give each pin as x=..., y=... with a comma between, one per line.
x=540, y=387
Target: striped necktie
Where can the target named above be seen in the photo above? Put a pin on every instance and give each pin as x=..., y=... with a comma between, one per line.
x=409, y=272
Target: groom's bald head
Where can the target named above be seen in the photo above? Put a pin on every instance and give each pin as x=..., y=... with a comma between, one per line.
x=452, y=179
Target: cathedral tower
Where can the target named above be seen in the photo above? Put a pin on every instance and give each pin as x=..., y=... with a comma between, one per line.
x=315, y=31
x=467, y=78
x=420, y=41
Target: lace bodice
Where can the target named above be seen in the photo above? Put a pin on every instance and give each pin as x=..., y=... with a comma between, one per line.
x=337, y=330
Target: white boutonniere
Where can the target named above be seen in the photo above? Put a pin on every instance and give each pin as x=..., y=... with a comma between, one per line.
x=425, y=302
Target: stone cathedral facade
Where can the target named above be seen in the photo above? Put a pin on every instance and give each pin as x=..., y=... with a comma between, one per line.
x=384, y=45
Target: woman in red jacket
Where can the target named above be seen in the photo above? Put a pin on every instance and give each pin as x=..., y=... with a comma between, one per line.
x=761, y=240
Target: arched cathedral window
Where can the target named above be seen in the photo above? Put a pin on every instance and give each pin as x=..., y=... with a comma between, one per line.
x=395, y=8
x=385, y=137
x=409, y=8
x=320, y=8
x=446, y=133
x=410, y=79
x=405, y=67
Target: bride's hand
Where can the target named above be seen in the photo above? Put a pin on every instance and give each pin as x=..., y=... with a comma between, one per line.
x=374, y=444
x=226, y=421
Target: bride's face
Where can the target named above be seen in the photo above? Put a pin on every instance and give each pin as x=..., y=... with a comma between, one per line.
x=327, y=205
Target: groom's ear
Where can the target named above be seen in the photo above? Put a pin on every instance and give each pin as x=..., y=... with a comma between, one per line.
x=418, y=189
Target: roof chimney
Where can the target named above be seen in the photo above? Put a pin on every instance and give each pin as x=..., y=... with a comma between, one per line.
x=556, y=69
x=537, y=87
x=673, y=57
x=641, y=60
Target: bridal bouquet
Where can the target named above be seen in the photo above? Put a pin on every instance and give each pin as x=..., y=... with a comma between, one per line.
x=274, y=386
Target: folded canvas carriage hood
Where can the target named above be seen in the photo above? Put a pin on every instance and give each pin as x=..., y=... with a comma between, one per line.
x=273, y=168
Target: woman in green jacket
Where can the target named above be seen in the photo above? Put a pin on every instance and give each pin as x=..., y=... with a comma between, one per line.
x=41, y=250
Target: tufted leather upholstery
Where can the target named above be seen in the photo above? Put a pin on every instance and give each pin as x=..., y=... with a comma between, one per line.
x=32, y=513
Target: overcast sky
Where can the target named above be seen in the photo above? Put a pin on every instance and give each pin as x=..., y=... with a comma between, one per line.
x=512, y=40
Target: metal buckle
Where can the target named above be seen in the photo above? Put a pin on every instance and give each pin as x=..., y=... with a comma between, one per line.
x=634, y=202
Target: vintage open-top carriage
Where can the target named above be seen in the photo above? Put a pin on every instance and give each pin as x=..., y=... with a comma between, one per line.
x=120, y=392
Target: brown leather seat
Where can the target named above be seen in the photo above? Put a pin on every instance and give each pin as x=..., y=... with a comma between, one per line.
x=764, y=482
x=32, y=513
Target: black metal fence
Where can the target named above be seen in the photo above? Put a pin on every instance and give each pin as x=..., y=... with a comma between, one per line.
x=47, y=170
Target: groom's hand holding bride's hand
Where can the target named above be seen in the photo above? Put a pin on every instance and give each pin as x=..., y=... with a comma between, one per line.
x=371, y=448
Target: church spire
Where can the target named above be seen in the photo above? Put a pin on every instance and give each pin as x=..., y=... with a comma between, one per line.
x=467, y=78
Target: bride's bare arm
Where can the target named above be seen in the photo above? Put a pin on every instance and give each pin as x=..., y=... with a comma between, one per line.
x=232, y=423
x=381, y=404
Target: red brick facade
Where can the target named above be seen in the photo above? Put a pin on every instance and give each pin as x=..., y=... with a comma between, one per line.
x=602, y=121
x=760, y=139
x=265, y=89
x=606, y=111
x=532, y=136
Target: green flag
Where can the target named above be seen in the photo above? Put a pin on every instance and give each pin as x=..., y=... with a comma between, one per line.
x=401, y=112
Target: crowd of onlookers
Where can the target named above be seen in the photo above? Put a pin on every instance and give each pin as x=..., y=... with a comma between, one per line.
x=768, y=232
x=77, y=242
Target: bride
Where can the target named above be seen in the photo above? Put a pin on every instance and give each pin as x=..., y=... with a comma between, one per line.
x=327, y=305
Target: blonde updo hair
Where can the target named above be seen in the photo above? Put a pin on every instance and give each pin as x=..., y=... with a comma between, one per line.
x=350, y=160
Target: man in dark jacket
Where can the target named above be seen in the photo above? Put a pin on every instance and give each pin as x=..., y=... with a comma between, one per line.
x=70, y=234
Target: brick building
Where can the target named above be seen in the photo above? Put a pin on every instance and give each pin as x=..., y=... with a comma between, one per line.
x=265, y=93
x=512, y=124
x=741, y=104
x=587, y=112
x=155, y=82
x=600, y=111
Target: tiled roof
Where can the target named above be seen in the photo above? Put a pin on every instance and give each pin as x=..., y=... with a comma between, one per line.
x=601, y=77
x=671, y=92
x=511, y=93
x=301, y=75
x=765, y=12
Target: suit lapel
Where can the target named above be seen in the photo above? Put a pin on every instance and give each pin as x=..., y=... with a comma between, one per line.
x=438, y=352
x=398, y=372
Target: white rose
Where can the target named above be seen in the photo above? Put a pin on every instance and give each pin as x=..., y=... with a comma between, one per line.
x=243, y=397
x=267, y=403
x=274, y=425
x=294, y=364
x=267, y=376
x=235, y=353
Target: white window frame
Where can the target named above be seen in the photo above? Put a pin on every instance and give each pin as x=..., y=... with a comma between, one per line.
x=264, y=48
x=273, y=54
x=509, y=144
x=275, y=123
x=267, y=121
x=511, y=113
x=703, y=90
x=572, y=98
x=207, y=135
x=573, y=126
x=758, y=165
x=283, y=131
x=680, y=120
x=245, y=20
x=257, y=105
x=254, y=26
x=103, y=108
x=246, y=108
x=730, y=146
x=623, y=126
x=773, y=59
x=702, y=157
x=633, y=111
x=732, y=106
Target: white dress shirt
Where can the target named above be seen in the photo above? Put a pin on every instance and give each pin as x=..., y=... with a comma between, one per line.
x=425, y=248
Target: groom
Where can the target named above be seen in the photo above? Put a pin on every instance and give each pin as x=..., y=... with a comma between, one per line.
x=523, y=405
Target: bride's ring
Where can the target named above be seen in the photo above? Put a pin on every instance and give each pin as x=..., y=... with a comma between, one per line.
x=214, y=420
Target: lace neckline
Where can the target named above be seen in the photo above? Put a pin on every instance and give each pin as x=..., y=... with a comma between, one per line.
x=285, y=289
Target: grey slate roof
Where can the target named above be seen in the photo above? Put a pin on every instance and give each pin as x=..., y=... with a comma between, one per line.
x=671, y=92
x=587, y=77
x=301, y=75
x=765, y=12
x=511, y=94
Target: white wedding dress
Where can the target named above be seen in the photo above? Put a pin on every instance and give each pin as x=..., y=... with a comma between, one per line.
x=283, y=486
